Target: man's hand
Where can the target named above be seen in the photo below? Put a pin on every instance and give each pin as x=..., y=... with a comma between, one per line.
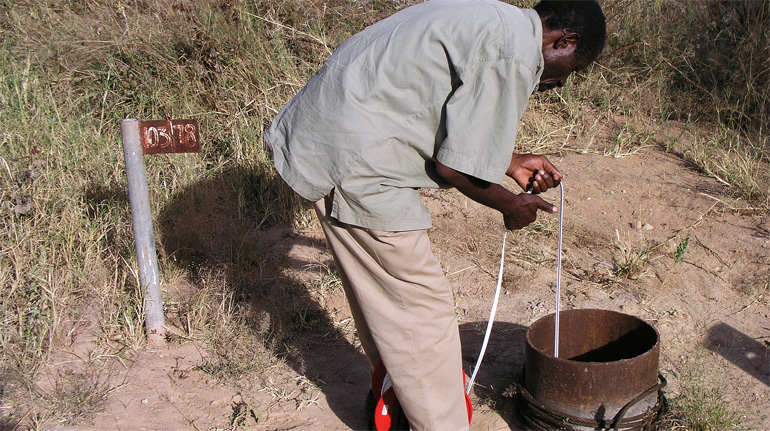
x=523, y=210
x=518, y=210
x=533, y=172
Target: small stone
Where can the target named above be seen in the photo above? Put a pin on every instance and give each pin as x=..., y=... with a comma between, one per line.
x=22, y=208
x=220, y=402
x=647, y=227
x=636, y=225
x=144, y=401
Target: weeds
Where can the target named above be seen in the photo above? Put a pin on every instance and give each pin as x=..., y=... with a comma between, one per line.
x=632, y=257
x=236, y=349
x=733, y=161
x=702, y=406
x=76, y=395
x=65, y=397
x=328, y=282
x=523, y=247
x=628, y=141
x=72, y=70
x=244, y=415
x=681, y=248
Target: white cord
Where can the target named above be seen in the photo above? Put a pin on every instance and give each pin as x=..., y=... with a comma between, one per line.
x=493, y=311
x=491, y=317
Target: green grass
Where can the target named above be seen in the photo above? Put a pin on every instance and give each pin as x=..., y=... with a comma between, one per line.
x=681, y=248
x=700, y=405
x=70, y=71
x=704, y=410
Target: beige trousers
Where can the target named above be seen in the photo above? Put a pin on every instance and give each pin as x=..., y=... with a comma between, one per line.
x=403, y=309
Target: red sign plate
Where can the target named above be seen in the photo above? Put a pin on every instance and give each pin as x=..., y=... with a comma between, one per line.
x=169, y=136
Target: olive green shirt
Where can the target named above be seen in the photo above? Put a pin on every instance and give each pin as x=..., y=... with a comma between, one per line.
x=444, y=80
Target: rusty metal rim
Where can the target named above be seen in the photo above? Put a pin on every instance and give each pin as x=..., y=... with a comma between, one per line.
x=532, y=345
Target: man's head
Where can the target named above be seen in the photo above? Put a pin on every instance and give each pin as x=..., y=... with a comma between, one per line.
x=573, y=36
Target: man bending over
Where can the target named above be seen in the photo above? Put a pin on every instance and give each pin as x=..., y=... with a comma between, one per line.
x=430, y=97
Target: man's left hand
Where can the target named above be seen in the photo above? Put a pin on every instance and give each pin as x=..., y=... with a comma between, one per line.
x=533, y=172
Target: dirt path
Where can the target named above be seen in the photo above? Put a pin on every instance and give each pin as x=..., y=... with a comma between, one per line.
x=632, y=213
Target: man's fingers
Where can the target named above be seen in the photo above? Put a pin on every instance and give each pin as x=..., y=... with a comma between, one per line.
x=540, y=204
x=527, y=212
x=554, y=173
x=551, y=169
x=549, y=180
x=541, y=181
x=545, y=206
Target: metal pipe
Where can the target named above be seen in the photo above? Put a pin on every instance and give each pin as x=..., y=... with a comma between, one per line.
x=608, y=359
x=141, y=217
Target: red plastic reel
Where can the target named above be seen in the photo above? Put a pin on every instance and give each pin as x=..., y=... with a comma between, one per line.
x=383, y=413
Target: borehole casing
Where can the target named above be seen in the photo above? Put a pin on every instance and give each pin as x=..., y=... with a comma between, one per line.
x=606, y=359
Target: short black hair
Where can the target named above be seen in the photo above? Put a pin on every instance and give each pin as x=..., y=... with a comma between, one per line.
x=584, y=17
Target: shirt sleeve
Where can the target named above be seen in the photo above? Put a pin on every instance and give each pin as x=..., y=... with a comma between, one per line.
x=482, y=118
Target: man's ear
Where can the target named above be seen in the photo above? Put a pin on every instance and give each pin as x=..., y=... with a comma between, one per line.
x=568, y=39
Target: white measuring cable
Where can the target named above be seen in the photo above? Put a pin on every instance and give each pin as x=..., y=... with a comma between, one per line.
x=493, y=311
x=491, y=318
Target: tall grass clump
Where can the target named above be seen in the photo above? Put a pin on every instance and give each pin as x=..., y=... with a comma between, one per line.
x=69, y=72
x=700, y=405
x=711, y=60
x=703, y=66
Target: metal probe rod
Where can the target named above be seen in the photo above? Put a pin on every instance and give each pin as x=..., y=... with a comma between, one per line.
x=558, y=275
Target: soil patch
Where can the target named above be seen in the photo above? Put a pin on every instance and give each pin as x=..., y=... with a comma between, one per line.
x=645, y=235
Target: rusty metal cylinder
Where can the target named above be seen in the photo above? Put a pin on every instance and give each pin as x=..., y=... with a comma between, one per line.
x=606, y=360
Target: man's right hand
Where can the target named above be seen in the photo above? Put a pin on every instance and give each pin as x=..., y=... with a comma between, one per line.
x=523, y=210
x=518, y=210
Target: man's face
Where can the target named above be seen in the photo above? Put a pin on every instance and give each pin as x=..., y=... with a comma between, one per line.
x=559, y=62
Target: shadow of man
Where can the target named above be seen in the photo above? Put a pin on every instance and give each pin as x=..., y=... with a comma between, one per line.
x=745, y=352
x=500, y=369
x=236, y=223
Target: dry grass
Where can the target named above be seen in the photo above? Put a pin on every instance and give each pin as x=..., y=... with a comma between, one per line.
x=72, y=70
x=717, y=85
x=632, y=256
x=700, y=405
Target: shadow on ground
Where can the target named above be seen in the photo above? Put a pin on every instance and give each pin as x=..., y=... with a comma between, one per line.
x=743, y=351
x=501, y=367
x=230, y=229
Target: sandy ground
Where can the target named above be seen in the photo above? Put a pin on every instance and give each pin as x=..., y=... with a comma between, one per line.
x=710, y=308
